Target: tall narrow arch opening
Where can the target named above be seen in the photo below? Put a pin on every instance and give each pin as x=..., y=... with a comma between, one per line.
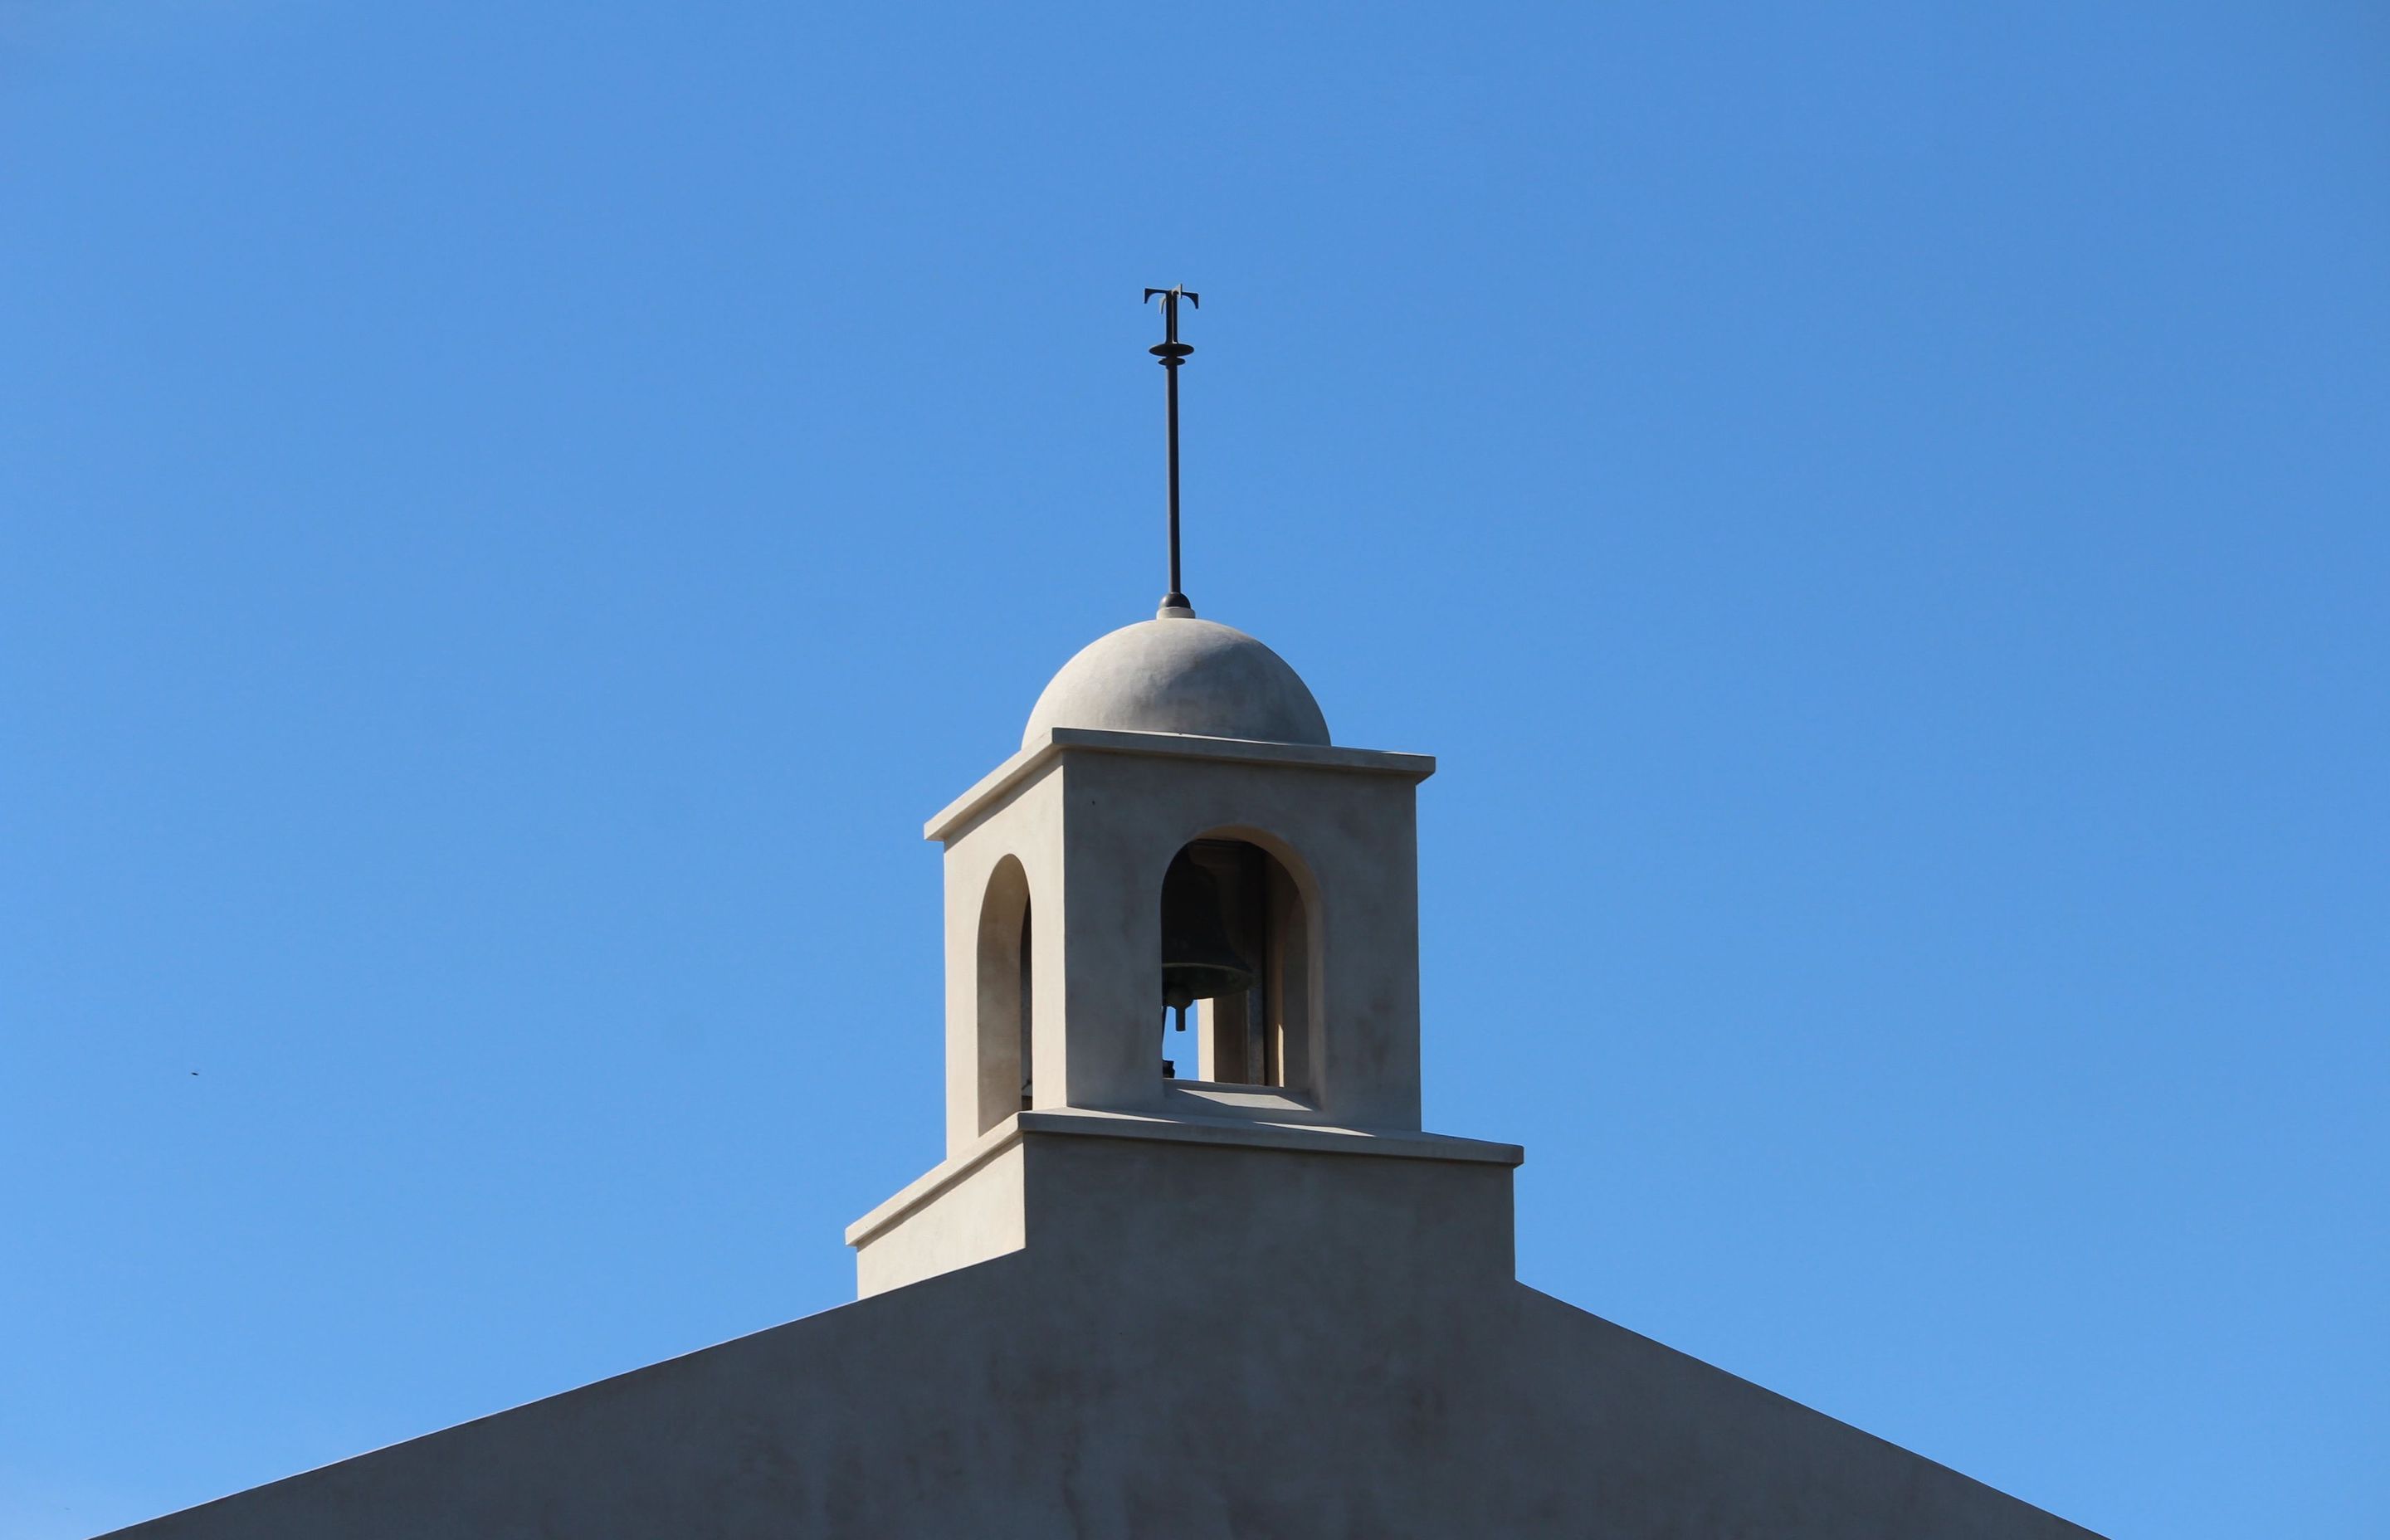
x=1007, y=1027
x=1236, y=968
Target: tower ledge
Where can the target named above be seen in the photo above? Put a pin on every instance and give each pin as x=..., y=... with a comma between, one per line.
x=1027, y=1178
x=1177, y=1128
x=958, y=814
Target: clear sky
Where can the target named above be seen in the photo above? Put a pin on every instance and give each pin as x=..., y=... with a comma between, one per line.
x=514, y=513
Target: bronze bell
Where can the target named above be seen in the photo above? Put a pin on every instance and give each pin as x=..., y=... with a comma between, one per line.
x=1199, y=962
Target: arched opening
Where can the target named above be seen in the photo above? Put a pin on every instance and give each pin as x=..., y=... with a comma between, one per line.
x=1006, y=1062
x=1236, y=946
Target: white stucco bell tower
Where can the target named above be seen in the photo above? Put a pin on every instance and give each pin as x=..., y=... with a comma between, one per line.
x=1173, y=734
x=1173, y=740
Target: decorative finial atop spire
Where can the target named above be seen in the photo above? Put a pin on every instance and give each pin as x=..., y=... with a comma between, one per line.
x=1173, y=353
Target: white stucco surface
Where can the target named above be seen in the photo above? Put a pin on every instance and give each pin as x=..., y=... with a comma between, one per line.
x=1094, y=818
x=1176, y=674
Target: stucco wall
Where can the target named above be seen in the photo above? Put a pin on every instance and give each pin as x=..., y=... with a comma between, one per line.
x=1198, y=1340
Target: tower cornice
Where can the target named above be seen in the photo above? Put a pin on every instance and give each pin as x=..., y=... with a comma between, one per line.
x=959, y=814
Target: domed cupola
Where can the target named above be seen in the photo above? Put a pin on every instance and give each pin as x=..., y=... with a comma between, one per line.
x=1176, y=674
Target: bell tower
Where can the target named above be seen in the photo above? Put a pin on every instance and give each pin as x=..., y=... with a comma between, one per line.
x=1179, y=913
x=1178, y=834
x=1177, y=830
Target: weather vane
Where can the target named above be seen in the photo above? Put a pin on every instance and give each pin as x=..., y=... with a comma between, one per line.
x=1173, y=353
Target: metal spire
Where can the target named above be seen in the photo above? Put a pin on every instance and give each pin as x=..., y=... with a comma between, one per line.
x=1173, y=353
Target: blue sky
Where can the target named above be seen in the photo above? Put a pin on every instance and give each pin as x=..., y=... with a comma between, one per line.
x=515, y=513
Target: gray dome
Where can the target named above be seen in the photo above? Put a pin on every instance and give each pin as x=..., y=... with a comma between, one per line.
x=1179, y=675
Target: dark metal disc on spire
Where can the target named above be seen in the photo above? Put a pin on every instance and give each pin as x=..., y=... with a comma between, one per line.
x=1173, y=353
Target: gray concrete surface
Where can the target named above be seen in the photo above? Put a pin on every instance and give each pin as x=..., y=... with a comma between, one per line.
x=1198, y=1341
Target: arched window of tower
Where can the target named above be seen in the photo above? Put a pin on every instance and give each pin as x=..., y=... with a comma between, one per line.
x=1005, y=1026
x=1235, y=967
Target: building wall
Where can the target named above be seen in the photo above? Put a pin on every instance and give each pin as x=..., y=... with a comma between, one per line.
x=1197, y=1340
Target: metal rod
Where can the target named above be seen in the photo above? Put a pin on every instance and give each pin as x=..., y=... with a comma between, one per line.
x=1173, y=353
x=1170, y=374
